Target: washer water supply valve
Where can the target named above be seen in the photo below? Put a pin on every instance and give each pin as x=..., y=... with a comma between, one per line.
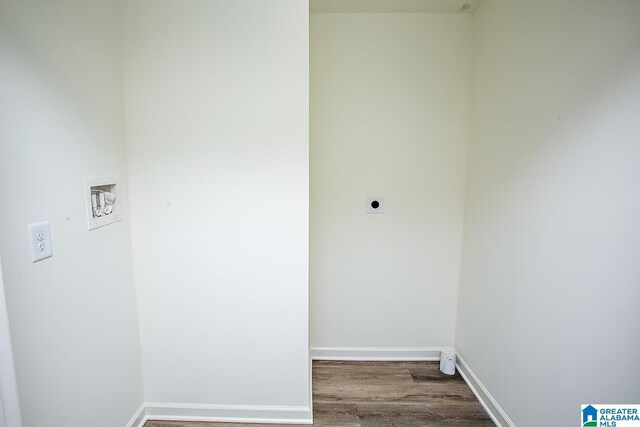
x=102, y=203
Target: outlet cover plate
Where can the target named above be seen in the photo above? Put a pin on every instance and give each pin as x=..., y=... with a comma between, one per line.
x=40, y=241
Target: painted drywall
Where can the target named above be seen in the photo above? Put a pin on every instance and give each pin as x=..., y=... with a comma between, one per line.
x=217, y=136
x=389, y=116
x=548, y=314
x=73, y=316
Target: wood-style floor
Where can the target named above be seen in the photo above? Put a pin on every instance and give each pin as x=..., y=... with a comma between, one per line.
x=383, y=394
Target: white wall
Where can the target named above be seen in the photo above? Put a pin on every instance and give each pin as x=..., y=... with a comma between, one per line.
x=548, y=315
x=389, y=115
x=73, y=317
x=217, y=127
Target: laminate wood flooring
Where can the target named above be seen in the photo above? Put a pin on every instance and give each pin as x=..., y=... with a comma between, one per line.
x=383, y=394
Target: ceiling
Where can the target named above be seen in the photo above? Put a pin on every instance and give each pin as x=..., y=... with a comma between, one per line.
x=392, y=6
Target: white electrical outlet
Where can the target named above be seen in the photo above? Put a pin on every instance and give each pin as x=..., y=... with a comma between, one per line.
x=40, y=239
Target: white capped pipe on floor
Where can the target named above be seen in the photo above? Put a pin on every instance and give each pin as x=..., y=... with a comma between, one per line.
x=448, y=362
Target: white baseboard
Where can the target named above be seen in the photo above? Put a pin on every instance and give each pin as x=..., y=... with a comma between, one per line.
x=303, y=414
x=138, y=418
x=377, y=353
x=490, y=405
x=263, y=414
